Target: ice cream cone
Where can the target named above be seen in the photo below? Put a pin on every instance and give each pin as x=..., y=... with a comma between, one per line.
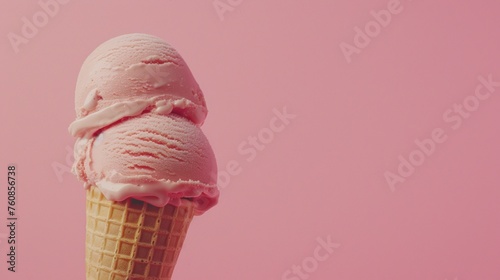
x=132, y=239
x=141, y=150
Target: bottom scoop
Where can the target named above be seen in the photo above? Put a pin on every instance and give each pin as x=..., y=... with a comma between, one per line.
x=154, y=158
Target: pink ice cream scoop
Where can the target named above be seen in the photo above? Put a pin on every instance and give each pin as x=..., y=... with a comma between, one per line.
x=129, y=74
x=138, y=115
x=158, y=159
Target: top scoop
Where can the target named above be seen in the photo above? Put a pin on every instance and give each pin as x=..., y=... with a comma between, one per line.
x=139, y=82
x=127, y=74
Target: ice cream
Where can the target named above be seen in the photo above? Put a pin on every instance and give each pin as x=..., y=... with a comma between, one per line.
x=155, y=158
x=136, y=70
x=146, y=164
x=136, y=85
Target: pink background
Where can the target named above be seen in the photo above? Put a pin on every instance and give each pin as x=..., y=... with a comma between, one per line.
x=323, y=175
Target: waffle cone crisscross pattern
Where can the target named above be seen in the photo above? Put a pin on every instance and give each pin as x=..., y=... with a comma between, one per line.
x=132, y=239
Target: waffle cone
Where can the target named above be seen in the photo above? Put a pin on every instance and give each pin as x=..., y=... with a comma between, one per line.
x=132, y=239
